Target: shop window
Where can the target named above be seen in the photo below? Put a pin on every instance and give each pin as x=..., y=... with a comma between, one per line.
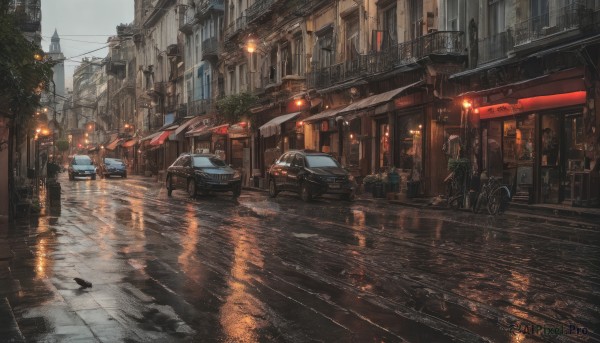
x=352, y=144
x=410, y=138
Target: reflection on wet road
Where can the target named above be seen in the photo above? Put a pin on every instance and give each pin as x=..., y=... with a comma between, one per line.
x=260, y=270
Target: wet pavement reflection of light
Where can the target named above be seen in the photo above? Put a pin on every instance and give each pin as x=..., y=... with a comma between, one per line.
x=212, y=269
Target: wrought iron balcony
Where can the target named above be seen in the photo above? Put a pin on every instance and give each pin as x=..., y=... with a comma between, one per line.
x=235, y=27
x=207, y=5
x=197, y=107
x=495, y=47
x=376, y=62
x=187, y=23
x=258, y=9
x=210, y=48
x=550, y=23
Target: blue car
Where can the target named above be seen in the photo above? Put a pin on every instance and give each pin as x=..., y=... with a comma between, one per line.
x=112, y=167
x=82, y=166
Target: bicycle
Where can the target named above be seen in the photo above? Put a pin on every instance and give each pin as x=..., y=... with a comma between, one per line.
x=494, y=196
x=454, y=191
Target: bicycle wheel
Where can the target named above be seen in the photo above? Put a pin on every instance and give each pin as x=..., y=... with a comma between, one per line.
x=498, y=200
x=479, y=201
x=455, y=202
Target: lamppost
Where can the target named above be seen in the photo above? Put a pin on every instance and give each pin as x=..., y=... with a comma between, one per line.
x=251, y=46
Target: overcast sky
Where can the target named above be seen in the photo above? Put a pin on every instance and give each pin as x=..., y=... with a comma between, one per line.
x=83, y=26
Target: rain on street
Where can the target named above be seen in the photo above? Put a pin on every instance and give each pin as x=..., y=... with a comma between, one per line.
x=280, y=270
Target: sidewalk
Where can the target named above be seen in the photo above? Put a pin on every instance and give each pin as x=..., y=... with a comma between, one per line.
x=550, y=210
x=8, y=287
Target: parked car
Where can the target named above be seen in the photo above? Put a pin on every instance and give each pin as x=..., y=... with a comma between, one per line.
x=81, y=165
x=202, y=173
x=112, y=167
x=310, y=174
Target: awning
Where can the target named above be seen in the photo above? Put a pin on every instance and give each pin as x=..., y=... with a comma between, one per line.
x=129, y=143
x=113, y=145
x=203, y=130
x=569, y=80
x=190, y=123
x=324, y=115
x=377, y=99
x=151, y=136
x=274, y=125
x=160, y=139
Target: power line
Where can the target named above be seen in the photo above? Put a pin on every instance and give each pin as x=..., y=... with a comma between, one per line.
x=104, y=47
x=77, y=40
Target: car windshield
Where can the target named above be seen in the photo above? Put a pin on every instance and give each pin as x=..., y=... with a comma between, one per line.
x=82, y=161
x=207, y=162
x=113, y=162
x=320, y=161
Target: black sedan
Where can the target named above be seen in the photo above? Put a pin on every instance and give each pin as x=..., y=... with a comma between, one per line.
x=112, y=167
x=202, y=173
x=310, y=174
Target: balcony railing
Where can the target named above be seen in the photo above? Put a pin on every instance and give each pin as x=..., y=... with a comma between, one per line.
x=549, y=23
x=207, y=5
x=236, y=26
x=375, y=62
x=258, y=8
x=201, y=106
x=495, y=47
x=187, y=22
x=210, y=48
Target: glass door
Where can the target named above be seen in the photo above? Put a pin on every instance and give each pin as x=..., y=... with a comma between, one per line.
x=550, y=162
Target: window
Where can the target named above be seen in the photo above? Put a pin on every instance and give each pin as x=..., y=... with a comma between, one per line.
x=496, y=20
x=231, y=80
x=298, y=62
x=243, y=76
x=207, y=162
x=390, y=26
x=286, y=60
x=273, y=66
x=452, y=15
x=196, y=47
x=415, y=8
x=351, y=48
x=325, y=49
x=539, y=14
x=321, y=161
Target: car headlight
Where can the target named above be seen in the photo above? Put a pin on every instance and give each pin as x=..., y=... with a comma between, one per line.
x=237, y=175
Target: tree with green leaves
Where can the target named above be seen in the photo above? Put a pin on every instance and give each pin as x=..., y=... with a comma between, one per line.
x=24, y=74
x=233, y=108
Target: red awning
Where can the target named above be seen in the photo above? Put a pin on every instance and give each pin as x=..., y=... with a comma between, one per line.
x=129, y=143
x=113, y=145
x=160, y=139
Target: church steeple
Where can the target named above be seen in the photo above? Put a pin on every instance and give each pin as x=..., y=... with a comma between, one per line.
x=55, y=43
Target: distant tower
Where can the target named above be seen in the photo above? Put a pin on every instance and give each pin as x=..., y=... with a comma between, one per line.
x=59, y=68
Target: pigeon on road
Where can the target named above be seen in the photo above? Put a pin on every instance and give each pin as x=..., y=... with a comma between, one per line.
x=83, y=283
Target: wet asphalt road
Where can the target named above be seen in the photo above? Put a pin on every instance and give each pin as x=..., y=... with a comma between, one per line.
x=169, y=269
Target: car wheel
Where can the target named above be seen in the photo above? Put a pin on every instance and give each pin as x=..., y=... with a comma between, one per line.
x=94, y=177
x=169, y=185
x=272, y=189
x=191, y=187
x=237, y=191
x=305, y=193
x=349, y=196
x=124, y=175
x=71, y=178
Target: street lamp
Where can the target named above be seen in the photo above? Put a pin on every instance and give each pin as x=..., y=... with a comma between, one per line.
x=251, y=46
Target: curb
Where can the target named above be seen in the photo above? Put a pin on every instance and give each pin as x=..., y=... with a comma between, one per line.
x=574, y=212
x=9, y=328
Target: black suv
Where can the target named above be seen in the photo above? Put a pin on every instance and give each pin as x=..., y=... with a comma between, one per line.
x=310, y=174
x=202, y=172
